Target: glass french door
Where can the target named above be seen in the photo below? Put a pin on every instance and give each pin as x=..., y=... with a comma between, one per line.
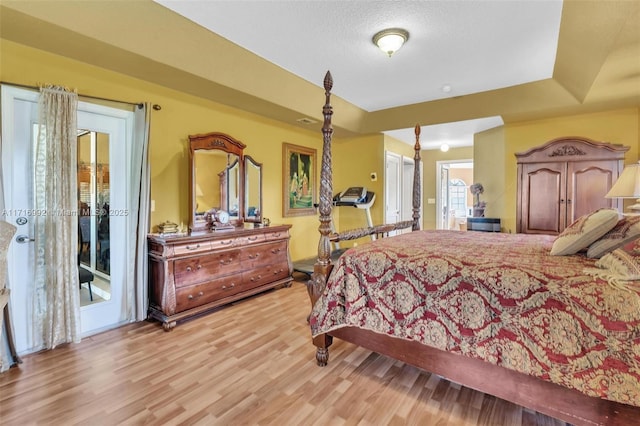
x=19, y=128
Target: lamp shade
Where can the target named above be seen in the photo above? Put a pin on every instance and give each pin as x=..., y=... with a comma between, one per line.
x=628, y=184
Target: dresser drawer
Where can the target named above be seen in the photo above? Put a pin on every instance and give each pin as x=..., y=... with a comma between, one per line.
x=224, y=243
x=251, y=239
x=263, y=254
x=210, y=291
x=266, y=274
x=276, y=235
x=198, y=269
x=180, y=249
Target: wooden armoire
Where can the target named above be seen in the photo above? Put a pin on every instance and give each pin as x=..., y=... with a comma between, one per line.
x=563, y=180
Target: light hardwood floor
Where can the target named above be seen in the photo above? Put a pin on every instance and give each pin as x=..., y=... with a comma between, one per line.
x=248, y=363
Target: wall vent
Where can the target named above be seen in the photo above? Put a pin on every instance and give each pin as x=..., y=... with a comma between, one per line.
x=305, y=120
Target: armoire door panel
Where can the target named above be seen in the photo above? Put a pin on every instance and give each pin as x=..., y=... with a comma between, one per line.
x=588, y=182
x=544, y=197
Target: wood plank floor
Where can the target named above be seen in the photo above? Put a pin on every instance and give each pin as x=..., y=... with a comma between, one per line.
x=248, y=363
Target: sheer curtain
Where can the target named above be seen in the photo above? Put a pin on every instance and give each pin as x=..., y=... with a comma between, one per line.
x=56, y=297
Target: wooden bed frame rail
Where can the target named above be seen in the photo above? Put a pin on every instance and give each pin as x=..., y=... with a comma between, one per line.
x=546, y=397
x=378, y=231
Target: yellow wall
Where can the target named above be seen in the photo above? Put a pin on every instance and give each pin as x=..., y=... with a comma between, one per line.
x=488, y=149
x=181, y=115
x=354, y=160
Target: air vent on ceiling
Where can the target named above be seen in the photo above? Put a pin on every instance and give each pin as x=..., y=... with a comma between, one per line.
x=306, y=120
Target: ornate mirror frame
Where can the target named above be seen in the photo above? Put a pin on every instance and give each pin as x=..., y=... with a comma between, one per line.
x=225, y=143
x=252, y=190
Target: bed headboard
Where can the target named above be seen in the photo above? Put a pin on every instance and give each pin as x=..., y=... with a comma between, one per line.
x=322, y=267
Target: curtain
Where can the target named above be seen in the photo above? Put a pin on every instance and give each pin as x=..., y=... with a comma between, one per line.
x=139, y=203
x=56, y=298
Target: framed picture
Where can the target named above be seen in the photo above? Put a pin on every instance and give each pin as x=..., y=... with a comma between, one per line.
x=299, y=180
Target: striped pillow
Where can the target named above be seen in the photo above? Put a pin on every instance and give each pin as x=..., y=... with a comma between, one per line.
x=626, y=230
x=584, y=231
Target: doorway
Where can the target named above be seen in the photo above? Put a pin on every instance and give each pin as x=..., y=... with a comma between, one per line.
x=454, y=203
x=398, y=195
x=19, y=130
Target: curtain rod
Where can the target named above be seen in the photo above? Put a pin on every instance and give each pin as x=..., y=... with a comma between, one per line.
x=26, y=86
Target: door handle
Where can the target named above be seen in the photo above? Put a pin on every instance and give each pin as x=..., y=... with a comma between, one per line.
x=22, y=239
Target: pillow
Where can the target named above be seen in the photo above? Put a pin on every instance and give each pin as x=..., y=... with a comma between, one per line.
x=626, y=230
x=584, y=231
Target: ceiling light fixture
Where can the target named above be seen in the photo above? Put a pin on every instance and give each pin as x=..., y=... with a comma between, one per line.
x=444, y=147
x=390, y=40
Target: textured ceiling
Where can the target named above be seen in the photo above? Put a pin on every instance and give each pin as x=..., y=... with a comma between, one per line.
x=596, y=65
x=470, y=46
x=467, y=47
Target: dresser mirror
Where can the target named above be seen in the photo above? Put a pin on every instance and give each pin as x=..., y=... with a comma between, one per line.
x=253, y=190
x=217, y=178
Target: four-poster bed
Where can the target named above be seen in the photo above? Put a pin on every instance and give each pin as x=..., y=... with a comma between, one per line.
x=371, y=298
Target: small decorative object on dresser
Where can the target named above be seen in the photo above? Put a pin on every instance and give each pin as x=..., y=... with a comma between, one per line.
x=194, y=274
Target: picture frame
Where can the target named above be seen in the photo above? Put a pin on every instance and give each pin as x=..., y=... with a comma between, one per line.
x=298, y=180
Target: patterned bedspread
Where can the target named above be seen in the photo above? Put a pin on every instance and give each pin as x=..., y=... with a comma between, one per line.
x=497, y=297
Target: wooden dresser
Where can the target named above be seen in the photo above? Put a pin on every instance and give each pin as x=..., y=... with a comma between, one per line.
x=189, y=275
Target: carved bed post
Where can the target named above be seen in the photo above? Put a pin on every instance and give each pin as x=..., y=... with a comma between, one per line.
x=322, y=267
x=416, y=181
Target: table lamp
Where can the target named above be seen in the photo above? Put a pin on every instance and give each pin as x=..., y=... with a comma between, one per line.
x=628, y=186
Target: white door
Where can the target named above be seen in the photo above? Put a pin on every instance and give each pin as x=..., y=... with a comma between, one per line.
x=407, y=191
x=442, y=204
x=19, y=118
x=392, y=193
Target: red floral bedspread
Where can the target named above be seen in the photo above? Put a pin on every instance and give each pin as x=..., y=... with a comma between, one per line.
x=497, y=297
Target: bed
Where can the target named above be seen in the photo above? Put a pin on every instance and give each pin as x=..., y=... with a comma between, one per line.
x=491, y=311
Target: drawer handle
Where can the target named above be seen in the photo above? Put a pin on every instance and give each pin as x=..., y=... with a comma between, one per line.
x=232, y=285
x=277, y=272
x=198, y=266
x=252, y=238
x=254, y=256
x=275, y=235
x=196, y=247
x=200, y=294
x=226, y=262
x=188, y=268
x=226, y=242
x=275, y=251
x=256, y=278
